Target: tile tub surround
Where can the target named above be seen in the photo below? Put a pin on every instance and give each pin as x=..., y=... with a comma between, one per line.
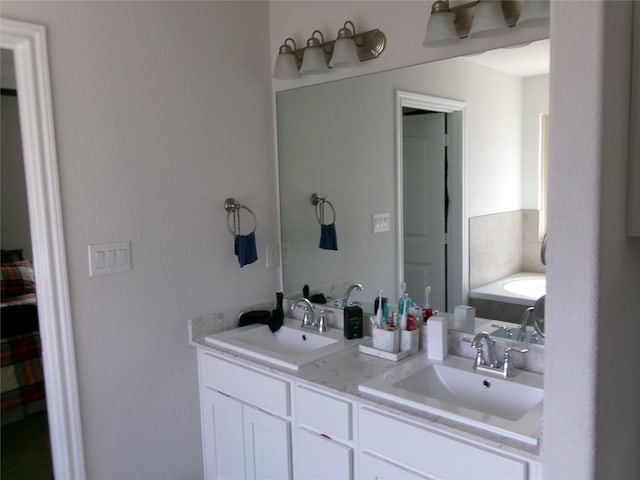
x=503, y=311
x=501, y=244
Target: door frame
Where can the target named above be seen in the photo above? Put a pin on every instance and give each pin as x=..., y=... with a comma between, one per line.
x=458, y=251
x=29, y=46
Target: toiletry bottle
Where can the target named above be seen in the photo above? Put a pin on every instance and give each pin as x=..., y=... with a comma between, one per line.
x=352, y=321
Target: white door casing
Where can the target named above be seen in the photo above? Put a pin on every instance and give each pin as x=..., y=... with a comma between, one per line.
x=458, y=250
x=28, y=43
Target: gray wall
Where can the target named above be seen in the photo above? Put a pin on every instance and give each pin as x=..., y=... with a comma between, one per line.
x=162, y=110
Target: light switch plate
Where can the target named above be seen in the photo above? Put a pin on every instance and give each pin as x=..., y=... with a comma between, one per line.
x=380, y=222
x=108, y=258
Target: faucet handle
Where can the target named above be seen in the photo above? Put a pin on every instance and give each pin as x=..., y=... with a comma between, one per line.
x=322, y=322
x=508, y=331
x=507, y=366
x=480, y=358
x=508, y=350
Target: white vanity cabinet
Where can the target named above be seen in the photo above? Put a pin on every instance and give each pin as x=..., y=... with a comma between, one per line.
x=394, y=448
x=323, y=447
x=245, y=421
x=259, y=425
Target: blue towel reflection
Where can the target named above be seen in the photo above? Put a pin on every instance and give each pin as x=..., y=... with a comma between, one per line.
x=245, y=249
x=328, y=238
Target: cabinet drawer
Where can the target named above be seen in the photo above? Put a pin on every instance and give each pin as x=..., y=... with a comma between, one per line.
x=317, y=457
x=324, y=413
x=433, y=454
x=263, y=391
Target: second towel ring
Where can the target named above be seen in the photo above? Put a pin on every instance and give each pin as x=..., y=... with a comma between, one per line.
x=234, y=208
x=319, y=202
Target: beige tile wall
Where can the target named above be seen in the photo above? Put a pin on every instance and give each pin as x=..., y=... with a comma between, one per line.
x=502, y=244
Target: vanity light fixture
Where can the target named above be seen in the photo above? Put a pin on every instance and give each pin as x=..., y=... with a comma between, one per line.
x=313, y=59
x=481, y=19
x=348, y=49
x=286, y=63
x=488, y=20
x=345, y=53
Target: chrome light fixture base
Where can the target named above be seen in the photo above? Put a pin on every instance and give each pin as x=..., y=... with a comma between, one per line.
x=368, y=45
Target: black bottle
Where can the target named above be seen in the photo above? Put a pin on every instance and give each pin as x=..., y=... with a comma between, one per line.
x=352, y=321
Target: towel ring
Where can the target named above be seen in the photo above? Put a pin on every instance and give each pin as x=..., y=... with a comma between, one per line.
x=234, y=208
x=319, y=202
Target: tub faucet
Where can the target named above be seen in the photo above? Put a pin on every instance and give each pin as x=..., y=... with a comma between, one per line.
x=309, y=316
x=522, y=332
x=345, y=299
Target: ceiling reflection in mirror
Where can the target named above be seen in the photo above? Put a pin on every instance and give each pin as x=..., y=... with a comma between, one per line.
x=339, y=141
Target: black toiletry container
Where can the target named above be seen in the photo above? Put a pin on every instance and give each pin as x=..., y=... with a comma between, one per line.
x=352, y=321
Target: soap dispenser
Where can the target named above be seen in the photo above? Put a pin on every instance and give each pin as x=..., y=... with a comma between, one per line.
x=353, y=321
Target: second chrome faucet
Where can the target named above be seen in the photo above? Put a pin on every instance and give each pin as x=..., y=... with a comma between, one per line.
x=490, y=363
x=309, y=315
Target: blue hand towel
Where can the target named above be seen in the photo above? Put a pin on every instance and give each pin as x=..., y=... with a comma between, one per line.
x=245, y=249
x=328, y=238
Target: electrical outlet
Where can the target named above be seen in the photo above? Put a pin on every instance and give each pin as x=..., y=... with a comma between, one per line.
x=272, y=255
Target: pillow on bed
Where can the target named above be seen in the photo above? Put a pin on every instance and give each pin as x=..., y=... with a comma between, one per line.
x=17, y=279
x=9, y=256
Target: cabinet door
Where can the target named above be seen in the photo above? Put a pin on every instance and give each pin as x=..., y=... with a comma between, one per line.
x=375, y=468
x=318, y=457
x=267, y=445
x=222, y=436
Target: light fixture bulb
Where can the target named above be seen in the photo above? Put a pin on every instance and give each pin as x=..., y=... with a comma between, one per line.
x=286, y=63
x=440, y=28
x=313, y=59
x=488, y=20
x=345, y=52
x=535, y=13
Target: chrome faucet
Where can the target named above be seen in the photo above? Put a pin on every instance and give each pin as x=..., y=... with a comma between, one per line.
x=491, y=364
x=345, y=299
x=491, y=350
x=309, y=316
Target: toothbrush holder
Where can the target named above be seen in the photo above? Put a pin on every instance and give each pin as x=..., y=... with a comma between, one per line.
x=409, y=340
x=386, y=340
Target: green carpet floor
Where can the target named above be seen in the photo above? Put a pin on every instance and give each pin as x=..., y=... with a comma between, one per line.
x=26, y=454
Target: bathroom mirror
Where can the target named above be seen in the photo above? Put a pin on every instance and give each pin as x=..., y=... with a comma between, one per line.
x=339, y=140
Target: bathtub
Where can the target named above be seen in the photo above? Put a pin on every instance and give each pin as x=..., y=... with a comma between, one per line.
x=520, y=289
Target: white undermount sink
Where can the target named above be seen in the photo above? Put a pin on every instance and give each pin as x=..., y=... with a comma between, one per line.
x=291, y=346
x=452, y=389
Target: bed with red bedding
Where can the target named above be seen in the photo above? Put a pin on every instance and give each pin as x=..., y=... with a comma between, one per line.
x=22, y=377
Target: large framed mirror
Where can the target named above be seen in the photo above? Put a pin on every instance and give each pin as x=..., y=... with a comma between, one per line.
x=340, y=140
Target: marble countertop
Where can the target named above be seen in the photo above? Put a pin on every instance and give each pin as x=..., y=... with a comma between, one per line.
x=342, y=372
